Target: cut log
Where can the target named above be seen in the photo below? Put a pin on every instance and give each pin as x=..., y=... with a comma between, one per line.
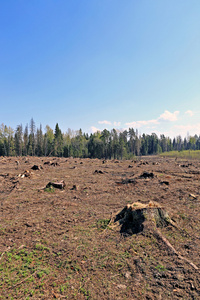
x=58, y=185
x=126, y=181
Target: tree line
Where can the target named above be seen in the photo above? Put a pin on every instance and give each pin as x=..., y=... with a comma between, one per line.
x=105, y=144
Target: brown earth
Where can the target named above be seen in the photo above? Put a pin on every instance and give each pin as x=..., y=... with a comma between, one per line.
x=60, y=243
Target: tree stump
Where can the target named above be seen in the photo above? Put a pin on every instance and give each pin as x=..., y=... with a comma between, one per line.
x=134, y=217
x=36, y=167
x=138, y=217
x=57, y=185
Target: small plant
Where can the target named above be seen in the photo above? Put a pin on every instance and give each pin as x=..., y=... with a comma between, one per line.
x=41, y=247
x=63, y=287
x=32, y=292
x=103, y=223
x=85, y=292
x=182, y=215
x=49, y=189
x=75, y=267
x=40, y=274
x=160, y=268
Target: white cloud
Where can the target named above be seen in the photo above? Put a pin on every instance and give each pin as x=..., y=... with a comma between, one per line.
x=94, y=129
x=105, y=122
x=168, y=116
x=192, y=129
x=157, y=125
x=109, y=123
x=168, y=123
x=182, y=130
x=138, y=124
x=190, y=113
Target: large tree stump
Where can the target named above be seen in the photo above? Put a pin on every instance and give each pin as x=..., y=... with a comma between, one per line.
x=136, y=217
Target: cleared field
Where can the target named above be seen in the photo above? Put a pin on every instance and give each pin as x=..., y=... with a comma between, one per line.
x=63, y=243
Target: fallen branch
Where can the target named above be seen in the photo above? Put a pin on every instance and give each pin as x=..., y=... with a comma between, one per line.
x=159, y=235
x=4, y=252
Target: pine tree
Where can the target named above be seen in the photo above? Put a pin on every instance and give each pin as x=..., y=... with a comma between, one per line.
x=32, y=138
x=25, y=151
x=19, y=140
x=58, y=142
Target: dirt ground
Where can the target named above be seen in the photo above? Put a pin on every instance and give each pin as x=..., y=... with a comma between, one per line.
x=59, y=243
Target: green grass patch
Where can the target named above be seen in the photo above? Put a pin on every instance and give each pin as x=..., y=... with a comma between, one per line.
x=185, y=154
x=49, y=189
x=22, y=267
x=160, y=268
x=103, y=223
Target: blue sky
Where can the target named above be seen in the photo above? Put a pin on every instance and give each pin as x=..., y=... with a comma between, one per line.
x=98, y=64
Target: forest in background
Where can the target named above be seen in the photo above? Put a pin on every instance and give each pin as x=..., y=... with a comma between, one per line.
x=105, y=144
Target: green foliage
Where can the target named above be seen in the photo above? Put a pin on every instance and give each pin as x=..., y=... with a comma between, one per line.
x=58, y=142
x=160, y=268
x=41, y=247
x=185, y=154
x=23, y=265
x=103, y=223
x=49, y=189
x=106, y=144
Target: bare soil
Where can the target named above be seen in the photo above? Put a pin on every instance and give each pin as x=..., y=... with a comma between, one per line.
x=59, y=243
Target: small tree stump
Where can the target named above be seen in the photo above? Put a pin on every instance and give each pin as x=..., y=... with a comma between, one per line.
x=57, y=185
x=36, y=167
x=147, y=175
